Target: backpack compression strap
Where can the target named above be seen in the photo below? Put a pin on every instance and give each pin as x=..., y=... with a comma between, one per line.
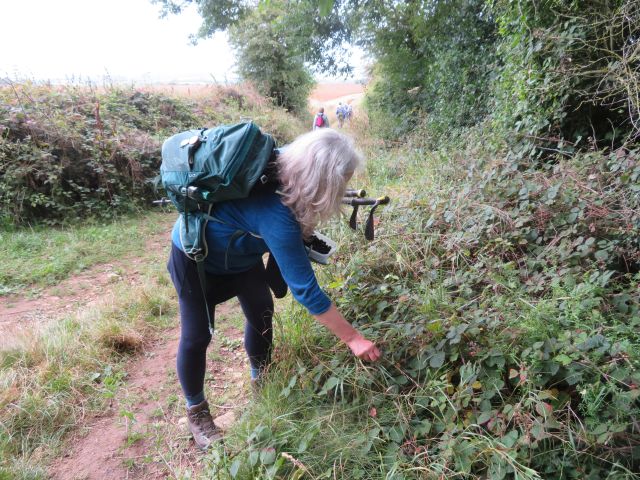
x=202, y=275
x=198, y=257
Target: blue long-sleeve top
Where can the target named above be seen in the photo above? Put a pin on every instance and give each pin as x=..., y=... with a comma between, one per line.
x=269, y=226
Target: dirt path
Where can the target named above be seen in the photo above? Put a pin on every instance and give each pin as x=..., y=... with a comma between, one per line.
x=142, y=433
x=330, y=106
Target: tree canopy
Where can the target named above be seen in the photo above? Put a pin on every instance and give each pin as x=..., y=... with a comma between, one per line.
x=543, y=70
x=269, y=54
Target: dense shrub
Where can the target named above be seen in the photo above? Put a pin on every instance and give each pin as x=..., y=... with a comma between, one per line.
x=507, y=297
x=570, y=73
x=506, y=290
x=433, y=64
x=554, y=76
x=76, y=152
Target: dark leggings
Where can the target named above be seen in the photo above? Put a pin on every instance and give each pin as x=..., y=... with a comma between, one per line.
x=255, y=299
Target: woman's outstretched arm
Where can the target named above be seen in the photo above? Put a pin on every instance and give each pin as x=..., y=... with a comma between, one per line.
x=336, y=323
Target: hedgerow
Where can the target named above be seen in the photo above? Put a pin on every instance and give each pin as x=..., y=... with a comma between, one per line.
x=76, y=152
x=568, y=76
x=509, y=306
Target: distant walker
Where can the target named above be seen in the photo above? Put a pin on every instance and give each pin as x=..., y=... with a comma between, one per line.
x=340, y=114
x=320, y=120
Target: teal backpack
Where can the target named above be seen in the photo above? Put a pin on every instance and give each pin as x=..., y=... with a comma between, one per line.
x=202, y=167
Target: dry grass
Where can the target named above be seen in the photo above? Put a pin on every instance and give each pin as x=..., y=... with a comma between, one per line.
x=244, y=92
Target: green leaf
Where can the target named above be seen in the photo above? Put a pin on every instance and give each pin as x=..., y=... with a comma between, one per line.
x=235, y=466
x=329, y=385
x=419, y=362
x=396, y=434
x=268, y=455
x=543, y=409
x=273, y=469
x=600, y=429
x=484, y=417
x=510, y=439
x=437, y=360
x=563, y=359
x=497, y=468
x=302, y=446
x=423, y=428
x=325, y=7
x=539, y=432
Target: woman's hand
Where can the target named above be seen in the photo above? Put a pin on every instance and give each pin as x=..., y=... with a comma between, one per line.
x=364, y=349
x=360, y=346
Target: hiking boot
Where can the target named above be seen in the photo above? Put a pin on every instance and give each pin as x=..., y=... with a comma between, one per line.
x=201, y=425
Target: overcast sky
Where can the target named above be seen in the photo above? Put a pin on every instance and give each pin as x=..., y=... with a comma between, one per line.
x=93, y=39
x=123, y=40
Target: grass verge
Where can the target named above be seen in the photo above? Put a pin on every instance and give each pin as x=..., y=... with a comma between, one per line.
x=41, y=256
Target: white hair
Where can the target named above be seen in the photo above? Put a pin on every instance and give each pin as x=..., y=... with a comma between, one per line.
x=313, y=172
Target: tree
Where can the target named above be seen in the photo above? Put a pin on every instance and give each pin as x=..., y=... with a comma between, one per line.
x=570, y=73
x=278, y=42
x=217, y=15
x=433, y=57
x=270, y=56
x=318, y=29
x=434, y=60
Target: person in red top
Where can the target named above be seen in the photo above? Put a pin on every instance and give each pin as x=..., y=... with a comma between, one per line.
x=320, y=120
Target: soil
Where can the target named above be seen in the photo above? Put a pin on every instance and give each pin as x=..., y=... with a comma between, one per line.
x=143, y=438
x=20, y=315
x=330, y=91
